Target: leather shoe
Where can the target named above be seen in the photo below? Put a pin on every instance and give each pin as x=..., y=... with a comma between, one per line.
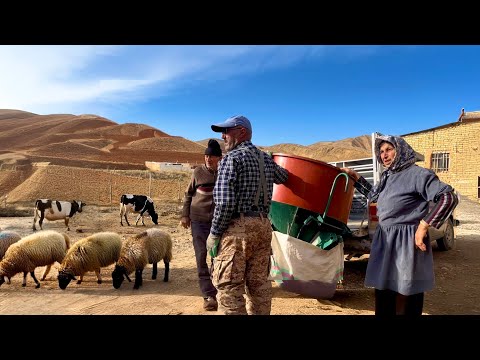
x=210, y=304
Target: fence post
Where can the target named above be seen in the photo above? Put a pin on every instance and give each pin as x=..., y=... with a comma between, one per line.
x=179, y=189
x=150, y=184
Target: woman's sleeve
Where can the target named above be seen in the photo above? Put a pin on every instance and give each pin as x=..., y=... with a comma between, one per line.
x=445, y=204
x=442, y=194
x=363, y=186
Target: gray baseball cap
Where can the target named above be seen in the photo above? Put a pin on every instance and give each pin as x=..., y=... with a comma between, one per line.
x=238, y=120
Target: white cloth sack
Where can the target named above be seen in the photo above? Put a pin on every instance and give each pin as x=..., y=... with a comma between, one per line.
x=305, y=269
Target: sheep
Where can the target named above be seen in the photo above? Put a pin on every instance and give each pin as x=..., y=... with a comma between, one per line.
x=89, y=254
x=7, y=238
x=38, y=249
x=148, y=247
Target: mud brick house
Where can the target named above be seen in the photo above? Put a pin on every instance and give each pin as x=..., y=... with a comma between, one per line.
x=453, y=152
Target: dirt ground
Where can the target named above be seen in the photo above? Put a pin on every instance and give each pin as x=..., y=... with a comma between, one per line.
x=457, y=276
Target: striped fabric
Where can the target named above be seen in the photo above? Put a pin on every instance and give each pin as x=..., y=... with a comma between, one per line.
x=444, y=205
x=205, y=190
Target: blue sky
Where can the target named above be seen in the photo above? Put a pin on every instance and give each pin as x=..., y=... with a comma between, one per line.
x=292, y=94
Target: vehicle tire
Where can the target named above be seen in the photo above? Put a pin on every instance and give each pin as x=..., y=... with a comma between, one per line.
x=447, y=242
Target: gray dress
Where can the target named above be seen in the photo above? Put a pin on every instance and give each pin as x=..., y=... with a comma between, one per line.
x=395, y=263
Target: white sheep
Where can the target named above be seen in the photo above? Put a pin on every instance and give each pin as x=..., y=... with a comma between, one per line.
x=89, y=254
x=149, y=247
x=39, y=249
x=7, y=238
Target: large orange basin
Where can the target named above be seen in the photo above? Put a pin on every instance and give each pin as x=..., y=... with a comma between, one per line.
x=309, y=184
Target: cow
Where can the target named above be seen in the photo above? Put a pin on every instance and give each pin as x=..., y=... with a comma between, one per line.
x=138, y=204
x=55, y=210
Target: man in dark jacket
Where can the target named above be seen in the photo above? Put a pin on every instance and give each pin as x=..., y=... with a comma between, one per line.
x=197, y=211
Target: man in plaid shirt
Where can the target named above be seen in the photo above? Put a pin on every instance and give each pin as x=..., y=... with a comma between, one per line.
x=240, y=236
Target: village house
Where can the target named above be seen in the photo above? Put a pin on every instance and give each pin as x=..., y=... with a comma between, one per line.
x=452, y=151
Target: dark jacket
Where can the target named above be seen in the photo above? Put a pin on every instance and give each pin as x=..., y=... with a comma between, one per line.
x=198, y=202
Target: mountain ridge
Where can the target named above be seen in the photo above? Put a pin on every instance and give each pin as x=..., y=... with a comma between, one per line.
x=100, y=142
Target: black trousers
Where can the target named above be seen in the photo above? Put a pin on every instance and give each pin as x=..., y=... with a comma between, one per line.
x=200, y=231
x=390, y=303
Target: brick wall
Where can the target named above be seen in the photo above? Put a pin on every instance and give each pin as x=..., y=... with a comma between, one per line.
x=462, y=141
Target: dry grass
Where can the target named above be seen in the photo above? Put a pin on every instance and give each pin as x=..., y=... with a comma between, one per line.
x=12, y=211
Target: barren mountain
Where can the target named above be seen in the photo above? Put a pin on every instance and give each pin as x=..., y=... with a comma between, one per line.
x=172, y=143
x=12, y=114
x=93, y=141
x=204, y=143
x=346, y=149
x=88, y=141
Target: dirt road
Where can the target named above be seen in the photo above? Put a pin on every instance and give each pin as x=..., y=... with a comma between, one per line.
x=457, y=276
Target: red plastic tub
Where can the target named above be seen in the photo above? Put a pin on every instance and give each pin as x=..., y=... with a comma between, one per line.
x=309, y=184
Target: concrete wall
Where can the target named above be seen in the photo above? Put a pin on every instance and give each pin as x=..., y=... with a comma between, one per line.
x=165, y=166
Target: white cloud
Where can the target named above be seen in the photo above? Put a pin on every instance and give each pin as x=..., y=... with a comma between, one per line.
x=53, y=79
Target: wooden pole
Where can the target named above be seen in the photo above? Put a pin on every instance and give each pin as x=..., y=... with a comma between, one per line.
x=150, y=184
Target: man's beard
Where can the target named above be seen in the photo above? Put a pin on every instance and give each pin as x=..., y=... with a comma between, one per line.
x=232, y=145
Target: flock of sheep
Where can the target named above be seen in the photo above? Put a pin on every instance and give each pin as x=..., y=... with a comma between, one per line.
x=44, y=248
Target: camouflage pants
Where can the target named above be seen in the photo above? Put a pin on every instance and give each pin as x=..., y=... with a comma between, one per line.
x=241, y=268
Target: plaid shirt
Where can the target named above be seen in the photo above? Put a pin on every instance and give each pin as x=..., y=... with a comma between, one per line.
x=237, y=182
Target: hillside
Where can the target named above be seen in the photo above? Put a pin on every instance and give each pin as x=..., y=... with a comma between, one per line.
x=93, y=141
x=88, y=141
x=204, y=143
x=93, y=186
x=327, y=151
x=89, y=156
x=173, y=143
x=352, y=148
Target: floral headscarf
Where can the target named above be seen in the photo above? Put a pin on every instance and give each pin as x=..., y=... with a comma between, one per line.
x=404, y=158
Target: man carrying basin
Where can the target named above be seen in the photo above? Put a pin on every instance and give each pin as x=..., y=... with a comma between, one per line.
x=240, y=236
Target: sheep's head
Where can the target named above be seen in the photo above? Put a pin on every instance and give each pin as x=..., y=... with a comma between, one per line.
x=155, y=218
x=118, y=275
x=64, y=277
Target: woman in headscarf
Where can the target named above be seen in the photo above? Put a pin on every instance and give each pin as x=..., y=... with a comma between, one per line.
x=400, y=267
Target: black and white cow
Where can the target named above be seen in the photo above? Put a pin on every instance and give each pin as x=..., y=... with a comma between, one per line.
x=138, y=204
x=55, y=210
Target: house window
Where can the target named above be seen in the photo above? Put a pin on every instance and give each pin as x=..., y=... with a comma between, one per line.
x=440, y=161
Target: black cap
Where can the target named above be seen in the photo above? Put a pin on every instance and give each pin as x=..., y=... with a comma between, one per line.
x=213, y=148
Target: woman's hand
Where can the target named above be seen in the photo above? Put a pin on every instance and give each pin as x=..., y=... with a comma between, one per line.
x=421, y=234
x=352, y=173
